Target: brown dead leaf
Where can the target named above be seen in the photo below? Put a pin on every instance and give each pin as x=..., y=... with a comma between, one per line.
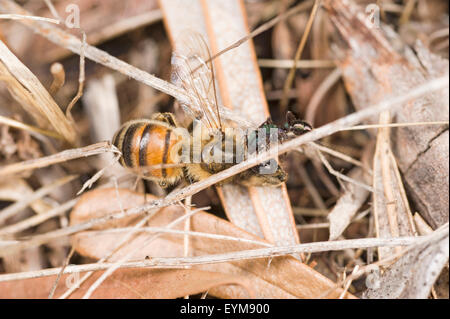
x=129, y=283
x=271, y=279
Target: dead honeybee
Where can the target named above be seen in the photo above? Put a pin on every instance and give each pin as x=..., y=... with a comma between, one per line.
x=216, y=139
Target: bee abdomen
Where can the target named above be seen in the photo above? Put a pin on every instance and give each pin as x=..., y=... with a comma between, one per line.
x=146, y=143
x=128, y=140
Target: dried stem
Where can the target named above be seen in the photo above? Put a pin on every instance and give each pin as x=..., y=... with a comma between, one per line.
x=178, y=262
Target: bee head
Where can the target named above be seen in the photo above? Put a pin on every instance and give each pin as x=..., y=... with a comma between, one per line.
x=295, y=125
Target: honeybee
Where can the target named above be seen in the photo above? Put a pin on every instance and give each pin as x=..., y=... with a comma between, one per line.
x=215, y=140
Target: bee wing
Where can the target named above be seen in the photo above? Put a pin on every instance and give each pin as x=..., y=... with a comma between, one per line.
x=192, y=70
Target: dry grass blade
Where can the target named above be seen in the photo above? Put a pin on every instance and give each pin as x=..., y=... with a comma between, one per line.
x=393, y=217
x=90, y=150
x=33, y=96
x=23, y=126
x=37, y=219
x=19, y=205
x=298, y=54
x=178, y=262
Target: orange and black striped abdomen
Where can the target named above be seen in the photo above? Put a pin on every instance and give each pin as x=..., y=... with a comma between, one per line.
x=146, y=143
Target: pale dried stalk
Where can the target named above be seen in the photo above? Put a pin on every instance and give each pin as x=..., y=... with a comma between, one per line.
x=369, y=126
x=192, y=189
x=340, y=155
x=26, y=127
x=94, y=149
x=180, y=232
x=338, y=175
x=37, y=219
x=80, y=80
x=34, y=92
x=178, y=262
x=19, y=205
x=25, y=17
x=301, y=64
x=125, y=25
x=298, y=54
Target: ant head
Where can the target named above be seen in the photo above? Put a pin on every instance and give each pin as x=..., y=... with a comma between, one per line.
x=295, y=125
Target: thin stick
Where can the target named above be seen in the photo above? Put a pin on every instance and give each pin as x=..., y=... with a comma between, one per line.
x=349, y=282
x=187, y=225
x=407, y=11
x=369, y=126
x=20, y=205
x=298, y=54
x=27, y=17
x=340, y=155
x=94, y=149
x=29, y=128
x=37, y=219
x=121, y=243
x=301, y=64
x=180, y=232
x=266, y=26
x=332, y=171
x=52, y=9
x=177, y=262
x=72, y=43
x=66, y=262
x=80, y=80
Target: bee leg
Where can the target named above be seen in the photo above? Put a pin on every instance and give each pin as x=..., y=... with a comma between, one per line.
x=252, y=177
x=165, y=117
x=187, y=176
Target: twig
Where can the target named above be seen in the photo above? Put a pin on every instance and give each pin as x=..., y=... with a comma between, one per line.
x=18, y=206
x=66, y=262
x=179, y=232
x=26, y=127
x=340, y=155
x=298, y=54
x=37, y=219
x=94, y=149
x=369, y=126
x=80, y=80
x=301, y=64
x=27, y=17
x=178, y=262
